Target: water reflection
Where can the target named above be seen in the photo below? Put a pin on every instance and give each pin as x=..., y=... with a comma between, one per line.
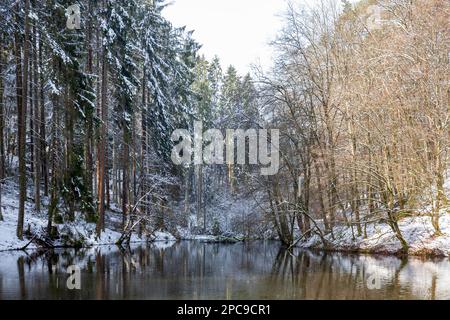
x=194, y=270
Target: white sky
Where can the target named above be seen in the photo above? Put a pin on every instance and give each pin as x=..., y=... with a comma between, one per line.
x=237, y=31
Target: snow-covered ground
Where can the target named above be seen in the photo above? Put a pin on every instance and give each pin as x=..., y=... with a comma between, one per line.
x=72, y=232
x=228, y=216
x=417, y=231
x=37, y=222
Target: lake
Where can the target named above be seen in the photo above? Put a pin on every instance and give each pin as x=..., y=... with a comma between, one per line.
x=196, y=270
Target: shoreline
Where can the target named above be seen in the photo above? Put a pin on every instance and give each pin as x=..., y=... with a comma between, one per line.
x=418, y=253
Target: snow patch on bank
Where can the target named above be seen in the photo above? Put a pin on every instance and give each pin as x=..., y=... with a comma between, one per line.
x=71, y=233
x=417, y=231
x=162, y=236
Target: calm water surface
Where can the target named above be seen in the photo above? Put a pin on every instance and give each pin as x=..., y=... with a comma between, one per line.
x=195, y=270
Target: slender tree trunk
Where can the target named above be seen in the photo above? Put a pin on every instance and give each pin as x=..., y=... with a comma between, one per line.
x=90, y=114
x=2, y=118
x=31, y=105
x=354, y=175
x=2, y=127
x=320, y=195
x=42, y=129
x=440, y=193
x=107, y=185
x=143, y=152
x=37, y=139
x=55, y=172
x=393, y=223
x=125, y=172
x=306, y=195
x=22, y=121
x=69, y=148
x=101, y=152
x=115, y=173
x=186, y=195
x=199, y=192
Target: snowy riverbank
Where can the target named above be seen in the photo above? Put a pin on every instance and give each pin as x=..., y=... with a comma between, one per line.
x=72, y=234
x=417, y=231
x=79, y=233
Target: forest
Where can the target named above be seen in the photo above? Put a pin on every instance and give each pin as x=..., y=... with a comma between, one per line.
x=358, y=91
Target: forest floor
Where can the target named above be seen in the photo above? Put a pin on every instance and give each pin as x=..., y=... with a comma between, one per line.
x=72, y=233
x=416, y=230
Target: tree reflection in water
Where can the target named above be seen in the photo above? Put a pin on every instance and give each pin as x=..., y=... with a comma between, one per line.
x=196, y=270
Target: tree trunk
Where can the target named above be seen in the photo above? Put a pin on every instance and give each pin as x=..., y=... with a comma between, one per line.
x=37, y=139
x=320, y=195
x=21, y=116
x=42, y=130
x=101, y=151
x=143, y=177
x=90, y=114
x=125, y=178
x=2, y=119
x=2, y=126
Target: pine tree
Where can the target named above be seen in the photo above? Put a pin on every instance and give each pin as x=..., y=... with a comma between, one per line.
x=121, y=35
x=22, y=74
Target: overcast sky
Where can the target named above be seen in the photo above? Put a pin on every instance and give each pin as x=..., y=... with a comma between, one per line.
x=238, y=31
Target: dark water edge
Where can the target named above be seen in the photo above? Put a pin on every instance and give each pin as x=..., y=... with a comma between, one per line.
x=243, y=270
